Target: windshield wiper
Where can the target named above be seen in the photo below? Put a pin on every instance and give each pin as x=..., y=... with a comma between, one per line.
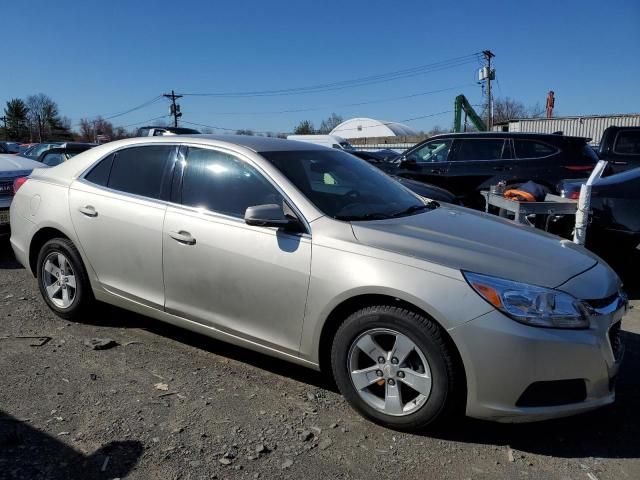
x=416, y=208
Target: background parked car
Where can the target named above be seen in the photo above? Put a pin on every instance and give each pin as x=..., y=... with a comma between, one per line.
x=55, y=156
x=466, y=163
x=12, y=167
x=620, y=146
x=35, y=150
x=379, y=158
x=615, y=207
x=9, y=147
x=162, y=131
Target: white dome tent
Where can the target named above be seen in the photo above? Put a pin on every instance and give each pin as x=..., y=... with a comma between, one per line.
x=369, y=127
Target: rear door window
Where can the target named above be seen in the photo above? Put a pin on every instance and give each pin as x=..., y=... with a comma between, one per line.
x=628, y=142
x=219, y=182
x=479, y=149
x=142, y=170
x=533, y=149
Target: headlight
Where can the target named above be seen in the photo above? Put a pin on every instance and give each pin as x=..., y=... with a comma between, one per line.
x=529, y=304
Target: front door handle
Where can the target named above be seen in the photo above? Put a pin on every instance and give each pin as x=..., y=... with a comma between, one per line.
x=502, y=168
x=183, y=237
x=89, y=211
x=437, y=170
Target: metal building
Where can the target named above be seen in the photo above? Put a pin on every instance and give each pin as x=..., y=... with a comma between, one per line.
x=368, y=127
x=591, y=126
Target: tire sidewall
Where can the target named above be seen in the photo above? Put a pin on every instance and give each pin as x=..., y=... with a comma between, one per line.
x=379, y=317
x=72, y=256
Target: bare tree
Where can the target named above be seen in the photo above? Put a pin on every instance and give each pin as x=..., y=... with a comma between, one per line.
x=42, y=115
x=330, y=123
x=536, y=110
x=507, y=109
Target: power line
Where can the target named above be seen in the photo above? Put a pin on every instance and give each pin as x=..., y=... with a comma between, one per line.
x=354, y=128
x=145, y=121
x=357, y=104
x=362, y=81
x=138, y=107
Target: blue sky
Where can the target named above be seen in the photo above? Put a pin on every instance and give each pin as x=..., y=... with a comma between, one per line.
x=97, y=58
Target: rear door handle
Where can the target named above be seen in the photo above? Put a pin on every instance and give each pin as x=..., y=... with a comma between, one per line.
x=502, y=169
x=89, y=211
x=183, y=237
x=437, y=170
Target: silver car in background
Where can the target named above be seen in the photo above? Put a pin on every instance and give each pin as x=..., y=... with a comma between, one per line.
x=314, y=256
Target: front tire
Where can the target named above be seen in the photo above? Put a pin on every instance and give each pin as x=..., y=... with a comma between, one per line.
x=63, y=280
x=394, y=366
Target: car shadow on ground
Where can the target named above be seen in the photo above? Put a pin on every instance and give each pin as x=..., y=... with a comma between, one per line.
x=27, y=453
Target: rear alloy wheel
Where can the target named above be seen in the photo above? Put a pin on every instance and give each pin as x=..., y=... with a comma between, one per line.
x=62, y=279
x=394, y=366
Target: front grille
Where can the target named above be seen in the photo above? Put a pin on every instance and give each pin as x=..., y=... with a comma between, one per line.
x=615, y=339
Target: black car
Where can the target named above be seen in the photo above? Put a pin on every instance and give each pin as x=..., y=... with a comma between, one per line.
x=58, y=155
x=381, y=158
x=466, y=163
x=620, y=146
x=615, y=209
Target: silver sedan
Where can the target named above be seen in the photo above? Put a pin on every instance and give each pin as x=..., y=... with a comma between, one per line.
x=417, y=309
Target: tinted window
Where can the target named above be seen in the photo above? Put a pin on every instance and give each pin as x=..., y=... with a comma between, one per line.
x=141, y=170
x=53, y=159
x=343, y=186
x=100, y=173
x=628, y=142
x=221, y=183
x=479, y=149
x=434, y=151
x=532, y=149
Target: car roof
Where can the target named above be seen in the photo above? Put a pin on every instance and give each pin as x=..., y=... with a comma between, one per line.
x=506, y=135
x=252, y=142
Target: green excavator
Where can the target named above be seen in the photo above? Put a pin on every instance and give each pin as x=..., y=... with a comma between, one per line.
x=461, y=104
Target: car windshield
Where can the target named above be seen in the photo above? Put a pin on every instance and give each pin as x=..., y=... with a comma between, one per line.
x=345, y=187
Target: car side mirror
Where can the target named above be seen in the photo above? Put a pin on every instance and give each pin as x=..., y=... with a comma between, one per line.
x=270, y=215
x=407, y=163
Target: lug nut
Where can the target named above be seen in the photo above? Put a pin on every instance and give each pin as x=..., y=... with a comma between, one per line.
x=379, y=373
x=394, y=360
x=401, y=374
x=380, y=359
x=392, y=382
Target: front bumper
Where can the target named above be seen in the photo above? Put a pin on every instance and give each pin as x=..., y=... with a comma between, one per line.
x=502, y=358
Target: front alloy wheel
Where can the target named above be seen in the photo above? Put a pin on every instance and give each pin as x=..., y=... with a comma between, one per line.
x=396, y=367
x=389, y=371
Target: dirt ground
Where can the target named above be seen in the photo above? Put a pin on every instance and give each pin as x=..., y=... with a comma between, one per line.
x=169, y=404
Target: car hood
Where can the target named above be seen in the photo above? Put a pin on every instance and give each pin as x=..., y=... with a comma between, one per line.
x=12, y=164
x=464, y=239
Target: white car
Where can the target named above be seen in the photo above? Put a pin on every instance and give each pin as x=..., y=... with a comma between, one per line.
x=12, y=168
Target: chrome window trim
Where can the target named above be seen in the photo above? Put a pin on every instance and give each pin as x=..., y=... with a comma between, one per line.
x=241, y=157
x=515, y=154
x=615, y=143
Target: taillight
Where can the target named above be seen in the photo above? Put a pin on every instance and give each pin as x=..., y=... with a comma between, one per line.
x=17, y=183
x=579, y=168
x=574, y=195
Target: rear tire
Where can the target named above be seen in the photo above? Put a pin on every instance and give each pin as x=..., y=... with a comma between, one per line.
x=63, y=280
x=395, y=367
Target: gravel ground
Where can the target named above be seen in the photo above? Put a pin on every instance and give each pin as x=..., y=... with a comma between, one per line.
x=168, y=404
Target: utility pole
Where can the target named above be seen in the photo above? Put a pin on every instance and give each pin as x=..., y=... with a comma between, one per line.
x=490, y=75
x=175, y=108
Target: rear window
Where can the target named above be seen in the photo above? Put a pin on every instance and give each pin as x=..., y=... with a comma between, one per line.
x=628, y=142
x=533, y=149
x=141, y=170
x=479, y=149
